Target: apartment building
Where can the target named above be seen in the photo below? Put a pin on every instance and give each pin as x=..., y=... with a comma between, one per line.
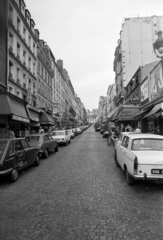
x=134, y=49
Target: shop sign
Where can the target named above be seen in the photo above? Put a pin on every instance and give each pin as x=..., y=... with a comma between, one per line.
x=14, y=117
x=156, y=81
x=144, y=91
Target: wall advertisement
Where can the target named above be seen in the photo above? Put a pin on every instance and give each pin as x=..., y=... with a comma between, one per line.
x=156, y=82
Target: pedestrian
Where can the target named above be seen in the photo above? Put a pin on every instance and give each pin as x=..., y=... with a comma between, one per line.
x=137, y=130
x=26, y=132
x=33, y=131
x=11, y=134
x=41, y=130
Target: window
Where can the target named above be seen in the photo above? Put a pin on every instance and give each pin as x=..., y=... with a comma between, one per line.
x=34, y=68
x=24, y=33
x=10, y=40
x=18, y=50
x=38, y=67
x=29, y=63
x=10, y=12
x=34, y=48
x=24, y=80
x=25, y=144
x=24, y=57
x=18, y=73
x=29, y=41
x=18, y=24
x=18, y=93
x=11, y=68
x=125, y=142
x=11, y=148
x=10, y=89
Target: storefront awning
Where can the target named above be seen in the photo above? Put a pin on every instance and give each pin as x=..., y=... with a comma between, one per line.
x=115, y=114
x=46, y=119
x=155, y=109
x=34, y=116
x=127, y=112
x=10, y=106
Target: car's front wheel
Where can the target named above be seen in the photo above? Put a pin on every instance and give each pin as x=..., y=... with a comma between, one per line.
x=46, y=154
x=14, y=175
x=37, y=162
x=129, y=179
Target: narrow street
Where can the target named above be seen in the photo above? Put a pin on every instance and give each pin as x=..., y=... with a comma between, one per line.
x=79, y=193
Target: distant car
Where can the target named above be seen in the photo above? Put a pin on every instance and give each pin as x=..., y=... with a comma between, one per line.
x=44, y=142
x=78, y=129
x=15, y=155
x=140, y=156
x=71, y=132
x=61, y=136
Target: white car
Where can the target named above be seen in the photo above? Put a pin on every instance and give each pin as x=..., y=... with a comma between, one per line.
x=140, y=156
x=71, y=132
x=62, y=136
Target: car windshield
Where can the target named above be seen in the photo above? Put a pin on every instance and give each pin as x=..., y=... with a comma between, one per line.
x=144, y=144
x=2, y=147
x=58, y=133
x=33, y=138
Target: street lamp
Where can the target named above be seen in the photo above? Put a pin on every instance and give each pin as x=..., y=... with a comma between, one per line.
x=158, y=45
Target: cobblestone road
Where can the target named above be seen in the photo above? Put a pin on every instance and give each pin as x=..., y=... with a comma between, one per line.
x=79, y=193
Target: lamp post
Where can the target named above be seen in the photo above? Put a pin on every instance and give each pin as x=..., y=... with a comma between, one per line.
x=158, y=45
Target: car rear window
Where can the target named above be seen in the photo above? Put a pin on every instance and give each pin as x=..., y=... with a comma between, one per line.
x=147, y=144
x=58, y=133
x=33, y=138
x=2, y=147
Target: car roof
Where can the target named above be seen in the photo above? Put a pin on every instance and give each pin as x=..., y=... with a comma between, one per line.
x=145, y=135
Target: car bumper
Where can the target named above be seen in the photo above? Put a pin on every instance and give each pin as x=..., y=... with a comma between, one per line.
x=5, y=172
x=148, y=177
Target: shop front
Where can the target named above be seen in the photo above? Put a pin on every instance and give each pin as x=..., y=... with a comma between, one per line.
x=46, y=121
x=153, y=120
x=13, y=115
x=33, y=114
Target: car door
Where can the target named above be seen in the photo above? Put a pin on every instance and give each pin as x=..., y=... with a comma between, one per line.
x=30, y=152
x=123, y=151
x=51, y=142
x=20, y=154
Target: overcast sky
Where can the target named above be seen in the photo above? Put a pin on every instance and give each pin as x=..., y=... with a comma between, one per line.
x=84, y=34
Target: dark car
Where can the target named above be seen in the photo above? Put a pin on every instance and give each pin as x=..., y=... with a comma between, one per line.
x=15, y=155
x=44, y=142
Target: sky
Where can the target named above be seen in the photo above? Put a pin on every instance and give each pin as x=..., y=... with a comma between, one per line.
x=84, y=34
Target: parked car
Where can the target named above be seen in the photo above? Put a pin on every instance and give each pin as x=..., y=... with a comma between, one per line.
x=61, y=136
x=78, y=130
x=15, y=155
x=71, y=132
x=44, y=142
x=140, y=156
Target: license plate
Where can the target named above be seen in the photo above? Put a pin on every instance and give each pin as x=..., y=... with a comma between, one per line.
x=157, y=171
